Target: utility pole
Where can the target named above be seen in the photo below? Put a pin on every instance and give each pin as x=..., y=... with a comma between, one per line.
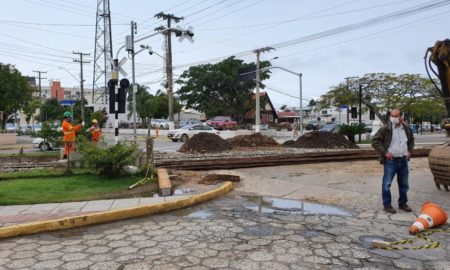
x=169, y=18
x=257, y=106
x=133, y=32
x=348, y=89
x=359, y=110
x=40, y=78
x=82, y=80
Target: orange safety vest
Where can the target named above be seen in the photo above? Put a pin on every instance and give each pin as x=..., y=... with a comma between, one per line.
x=96, y=133
x=69, y=131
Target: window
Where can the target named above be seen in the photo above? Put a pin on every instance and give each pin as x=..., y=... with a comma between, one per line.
x=324, y=112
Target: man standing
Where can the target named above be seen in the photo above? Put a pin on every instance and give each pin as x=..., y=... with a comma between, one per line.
x=69, y=133
x=95, y=131
x=394, y=142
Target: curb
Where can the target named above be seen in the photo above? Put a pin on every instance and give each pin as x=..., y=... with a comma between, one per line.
x=112, y=215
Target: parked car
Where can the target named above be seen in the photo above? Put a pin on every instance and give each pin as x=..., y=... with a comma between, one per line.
x=314, y=125
x=221, y=122
x=160, y=123
x=183, y=123
x=330, y=128
x=42, y=144
x=10, y=127
x=184, y=133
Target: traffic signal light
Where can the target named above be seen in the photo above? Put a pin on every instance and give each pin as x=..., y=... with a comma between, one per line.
x=121, y=97
x=112, y=95
x=354, y=112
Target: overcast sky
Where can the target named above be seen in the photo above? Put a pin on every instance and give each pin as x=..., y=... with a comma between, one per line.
x=326, y=40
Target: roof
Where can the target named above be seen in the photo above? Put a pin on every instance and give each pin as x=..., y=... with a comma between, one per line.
x=287, y=114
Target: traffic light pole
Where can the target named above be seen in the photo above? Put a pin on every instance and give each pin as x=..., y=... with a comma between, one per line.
x=116, y=112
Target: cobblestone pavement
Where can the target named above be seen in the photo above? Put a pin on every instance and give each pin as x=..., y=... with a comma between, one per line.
x=233, y=232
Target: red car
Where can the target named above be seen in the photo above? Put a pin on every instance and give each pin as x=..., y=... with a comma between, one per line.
x=221, y=122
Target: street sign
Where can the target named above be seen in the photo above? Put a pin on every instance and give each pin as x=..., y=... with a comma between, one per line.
x=343, y=106
x=67, y=102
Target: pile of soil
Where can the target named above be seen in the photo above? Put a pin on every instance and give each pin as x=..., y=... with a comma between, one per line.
x=205, y=143
x=254, y=140
x=319, y=139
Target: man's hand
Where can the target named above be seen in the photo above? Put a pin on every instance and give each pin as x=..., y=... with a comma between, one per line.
x=388, y=155
x=409, y=154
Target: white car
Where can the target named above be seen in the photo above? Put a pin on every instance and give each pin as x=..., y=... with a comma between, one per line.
x=42, y=144
x=160, y=123
x=184, y=133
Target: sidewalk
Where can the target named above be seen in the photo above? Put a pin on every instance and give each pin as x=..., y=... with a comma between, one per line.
x=16, y=214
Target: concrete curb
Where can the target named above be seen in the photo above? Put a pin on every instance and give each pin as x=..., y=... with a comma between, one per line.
x=113, y=215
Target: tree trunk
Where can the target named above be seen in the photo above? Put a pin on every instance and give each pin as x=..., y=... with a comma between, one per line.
x=149, y=126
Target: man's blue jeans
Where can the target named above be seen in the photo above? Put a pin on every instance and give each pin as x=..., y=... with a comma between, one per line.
x=392, y=167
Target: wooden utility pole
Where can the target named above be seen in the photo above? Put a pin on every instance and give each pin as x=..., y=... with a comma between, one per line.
x=40, y=78
x=81, y=79
x=169, y=18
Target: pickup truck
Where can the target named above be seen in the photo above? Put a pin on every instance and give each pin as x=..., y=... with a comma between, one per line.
x=221, y=123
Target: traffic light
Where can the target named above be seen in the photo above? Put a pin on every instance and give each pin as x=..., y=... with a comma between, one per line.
x=124, y=84
x=112, y=95
x=121, y=97
x=354, y=112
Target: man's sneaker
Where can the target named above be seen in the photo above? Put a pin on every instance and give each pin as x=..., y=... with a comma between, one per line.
x=389, y=209
x=405, y=208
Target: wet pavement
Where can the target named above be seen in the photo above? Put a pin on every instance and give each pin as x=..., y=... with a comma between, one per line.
x=228, y=234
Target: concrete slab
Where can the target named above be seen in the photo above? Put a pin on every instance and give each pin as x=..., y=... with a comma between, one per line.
x=100, y=205
x=43, y=208
x=70, y=207
x=124, y=203
x=13, y=209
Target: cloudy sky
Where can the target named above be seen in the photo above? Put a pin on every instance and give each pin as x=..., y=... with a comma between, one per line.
x=326, y=40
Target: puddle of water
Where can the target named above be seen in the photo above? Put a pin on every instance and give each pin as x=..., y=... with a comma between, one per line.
x=192, y=213
x=182, y=191
x=269, y=205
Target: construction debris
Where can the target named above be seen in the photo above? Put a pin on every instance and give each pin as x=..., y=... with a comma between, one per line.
x=253, y=140
x=205, y=143
x=320, y=139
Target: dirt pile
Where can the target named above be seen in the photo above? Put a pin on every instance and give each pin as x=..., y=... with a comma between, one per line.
x=254, y=140
x=320, y=139
x=205, y=143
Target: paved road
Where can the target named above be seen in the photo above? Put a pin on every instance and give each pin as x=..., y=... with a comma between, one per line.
x=224, y=234
x=247, y=231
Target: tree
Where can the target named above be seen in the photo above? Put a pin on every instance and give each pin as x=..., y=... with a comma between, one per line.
x=312, y=103
x=215, y=89
x=51, y=110
x=283, y=107
x=30, y=109
x=15, y=92
x=381, y=92
x=158, y=107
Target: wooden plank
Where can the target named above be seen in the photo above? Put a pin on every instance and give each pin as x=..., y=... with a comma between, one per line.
x=165, y=187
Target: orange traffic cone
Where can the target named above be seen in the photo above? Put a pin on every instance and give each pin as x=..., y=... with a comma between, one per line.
x=432, y=215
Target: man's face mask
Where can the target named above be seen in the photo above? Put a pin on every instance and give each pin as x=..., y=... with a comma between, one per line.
x=395, y=120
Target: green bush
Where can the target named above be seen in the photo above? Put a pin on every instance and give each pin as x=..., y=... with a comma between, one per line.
x=352, y=129
x=50, y=133
x=110, y=161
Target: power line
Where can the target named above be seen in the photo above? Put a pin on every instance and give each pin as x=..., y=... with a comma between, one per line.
x=54, y=24
x=46, y=30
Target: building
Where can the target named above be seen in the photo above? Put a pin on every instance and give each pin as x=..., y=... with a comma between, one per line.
x=268, y=115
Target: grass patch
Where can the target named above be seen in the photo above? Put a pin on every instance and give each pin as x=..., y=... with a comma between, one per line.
x=84, y=186
x=42, y=173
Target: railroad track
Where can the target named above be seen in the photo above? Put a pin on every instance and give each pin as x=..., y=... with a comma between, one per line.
x=276, y=160
x=7, y=167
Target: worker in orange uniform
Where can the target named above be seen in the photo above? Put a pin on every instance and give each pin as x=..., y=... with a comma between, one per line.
x=69, y=133
x=95, y=131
